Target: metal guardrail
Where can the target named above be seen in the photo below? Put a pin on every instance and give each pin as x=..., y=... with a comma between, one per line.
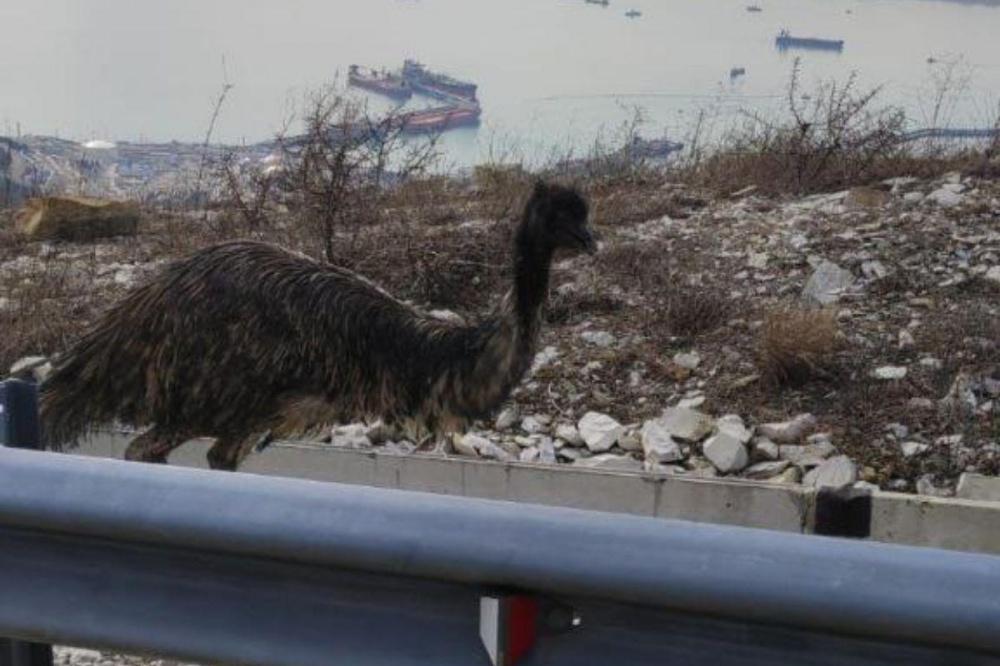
x=19, y=426
x=238, y=568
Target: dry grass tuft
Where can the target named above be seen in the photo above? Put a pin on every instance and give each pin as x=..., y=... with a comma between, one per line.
x=796, y=345
x=689, y=311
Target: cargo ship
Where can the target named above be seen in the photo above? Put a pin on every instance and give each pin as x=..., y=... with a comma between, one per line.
x=431, y=83
x=785, y=41
x=383, y=83
x=440, y=119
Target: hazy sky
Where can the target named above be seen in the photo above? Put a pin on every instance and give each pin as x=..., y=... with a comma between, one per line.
x=137, y=68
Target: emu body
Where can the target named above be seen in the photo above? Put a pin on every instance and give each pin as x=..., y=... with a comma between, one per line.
x=246, y=338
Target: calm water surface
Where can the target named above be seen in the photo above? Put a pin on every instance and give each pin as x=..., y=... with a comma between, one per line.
x=551, y=72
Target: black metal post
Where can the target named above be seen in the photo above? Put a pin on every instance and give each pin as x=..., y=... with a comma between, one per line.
x=20, y=429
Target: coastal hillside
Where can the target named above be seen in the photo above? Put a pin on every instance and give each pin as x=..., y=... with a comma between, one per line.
x=848, y=336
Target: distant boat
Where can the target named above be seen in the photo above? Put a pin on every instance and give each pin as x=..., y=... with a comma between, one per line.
x=736, y=72
x=785, y=41
x=653, y=148
x=754, y=8
x=633, y=13
x=390, y=85
x=439, y=119
x=597, y=2
x=437, y=85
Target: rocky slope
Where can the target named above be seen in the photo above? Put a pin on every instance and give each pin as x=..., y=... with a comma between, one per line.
x=851, y=337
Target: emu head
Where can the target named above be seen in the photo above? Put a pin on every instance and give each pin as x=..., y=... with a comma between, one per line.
x=555, y=217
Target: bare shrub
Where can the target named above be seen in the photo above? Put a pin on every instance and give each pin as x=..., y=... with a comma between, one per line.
x=673, y=307
x=796, y=345
x=834, y=138
x=690, y=311
x=45, y=307
x=333, y=180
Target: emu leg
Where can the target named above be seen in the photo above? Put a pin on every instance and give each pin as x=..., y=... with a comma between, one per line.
x=228, y=452
x=154, y=445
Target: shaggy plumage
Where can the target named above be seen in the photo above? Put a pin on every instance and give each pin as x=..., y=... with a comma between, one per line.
x=246, y=338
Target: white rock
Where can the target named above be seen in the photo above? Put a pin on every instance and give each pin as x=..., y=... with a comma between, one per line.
x=352, y=436
x=836, y=472
x=931, y=363
x=911, y=449
x=820, y=439
x=403, y=447
x=547, y=452
x=599, y=431
x=757, y=260
x=733, y=425
x=529, y=454
x=610, y=461
x=765, y=449
x=889, y=372
x=809, y=455
x=543, y=358
x=993, y=274
x=692, y=402
x=790, y=475
x=788, y=432
x=532, y=425
x=630, y=441
x=658, y=445
x=468, y=444
x=569, y=434
x=726, y=453
x=945, y=197
x=570, y=454
x=874, y=270
x=827, y=283
x=506, y=419
x=686, y=424
x=489, y=449
x=598, y=338
x=925, y=486
x=766, y=470
x=898, y=430
x=689, y=360
x=906, y=340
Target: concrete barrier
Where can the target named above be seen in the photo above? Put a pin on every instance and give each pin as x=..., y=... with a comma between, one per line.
x=955, y=524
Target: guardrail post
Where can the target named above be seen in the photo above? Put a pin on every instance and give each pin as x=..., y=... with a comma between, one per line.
x=19, y=428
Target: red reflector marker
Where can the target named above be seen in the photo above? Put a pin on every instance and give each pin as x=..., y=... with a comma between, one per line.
x=508, y=625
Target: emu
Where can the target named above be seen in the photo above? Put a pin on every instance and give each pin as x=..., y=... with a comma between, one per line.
x=245, y=339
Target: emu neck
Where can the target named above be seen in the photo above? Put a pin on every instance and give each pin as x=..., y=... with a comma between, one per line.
x=532, y=264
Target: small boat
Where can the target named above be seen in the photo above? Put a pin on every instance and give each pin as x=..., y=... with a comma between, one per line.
x=754, y=8
x=785, y=41
x=597, y=2
x=653, y=148
x=737, y=72
x=633, y=13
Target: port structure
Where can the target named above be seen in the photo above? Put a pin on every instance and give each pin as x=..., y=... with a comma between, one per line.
x=460, y=106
